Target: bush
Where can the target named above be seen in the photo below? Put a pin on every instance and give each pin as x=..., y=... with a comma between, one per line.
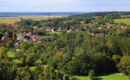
x=124, y=64
x=91, y=73
x=66, y=77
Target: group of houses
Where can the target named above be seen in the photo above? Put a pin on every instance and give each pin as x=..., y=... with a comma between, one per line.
x=48, y=28
x=27, y=37
x=12, y=24
x=108, y=26
x=96, y=34
x=52, y=29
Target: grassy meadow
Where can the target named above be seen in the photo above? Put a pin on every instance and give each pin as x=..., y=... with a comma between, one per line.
x=123, y=20
x=8, y=20
x=49, y=35
x=116, y=76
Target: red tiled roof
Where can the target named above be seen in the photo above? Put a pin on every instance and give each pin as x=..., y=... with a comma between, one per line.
x=35, y=27
x=70, y=30
x=82, y=22
x=14, y=25
x=123, y=27
x=3, y=42
x=97, y=34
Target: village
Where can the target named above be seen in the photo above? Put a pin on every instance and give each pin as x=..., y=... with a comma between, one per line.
x=30, y=36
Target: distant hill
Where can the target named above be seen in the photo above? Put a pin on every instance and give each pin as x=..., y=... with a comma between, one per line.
x=8, y=14
x=99, y=14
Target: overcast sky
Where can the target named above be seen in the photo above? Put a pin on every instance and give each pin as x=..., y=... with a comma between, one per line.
x=63, y=5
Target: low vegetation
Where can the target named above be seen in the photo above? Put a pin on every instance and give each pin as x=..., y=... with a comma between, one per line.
x=123, y=20
x=116, y=76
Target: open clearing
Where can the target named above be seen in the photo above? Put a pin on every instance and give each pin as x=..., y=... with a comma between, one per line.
x=123, y=20
x=10, y=54
x=33, y=68
x=116, y=76
x=49, y=35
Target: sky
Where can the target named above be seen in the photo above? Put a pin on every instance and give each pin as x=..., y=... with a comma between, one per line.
x=63, y=5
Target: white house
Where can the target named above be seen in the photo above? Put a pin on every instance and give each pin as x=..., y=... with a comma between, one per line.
x=21, y=36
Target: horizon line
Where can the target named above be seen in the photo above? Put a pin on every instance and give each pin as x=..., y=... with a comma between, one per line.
x=58, y=11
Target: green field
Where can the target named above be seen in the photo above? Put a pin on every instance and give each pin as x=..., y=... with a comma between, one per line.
x=45, y=37
x=116, y=76
x=18, y=61
x=17, y=18
x=33, y=68
x=48, y=36
x=123, y=20
x=8, y=20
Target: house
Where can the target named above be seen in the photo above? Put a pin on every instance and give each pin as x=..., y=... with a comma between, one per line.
x=15, y=25
x=29, y=33
x=33, y=37
x=71, y=26
x=99, y=34
x=35, y=27
x=52, y=30
x=99, y=28
x=92, y=34
x=48, y=29
x=70, y=30
x=108, y=25
x=17, y=45
x=25, y=34
x=123, y=27
x=43, y=27
x=96, y=34
x=27, y=39
x=59, y=29
x=21, y=36
x=4, y=42
x=36, y=38
x=82, y=22
x=4, y=37
x=6, y=33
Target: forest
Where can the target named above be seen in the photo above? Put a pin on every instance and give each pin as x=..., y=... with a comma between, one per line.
x=85, y=45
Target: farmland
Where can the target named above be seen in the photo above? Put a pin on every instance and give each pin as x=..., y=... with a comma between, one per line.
x=17, y=18
x=123, y=20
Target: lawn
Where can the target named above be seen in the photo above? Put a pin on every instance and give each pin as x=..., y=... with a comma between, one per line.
x=49, y=35
x=10, y=54
x=123, y=20
x=18, y=61
x=116, y=76
x=53, y=32
x=32, y=68
x=45, y=37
